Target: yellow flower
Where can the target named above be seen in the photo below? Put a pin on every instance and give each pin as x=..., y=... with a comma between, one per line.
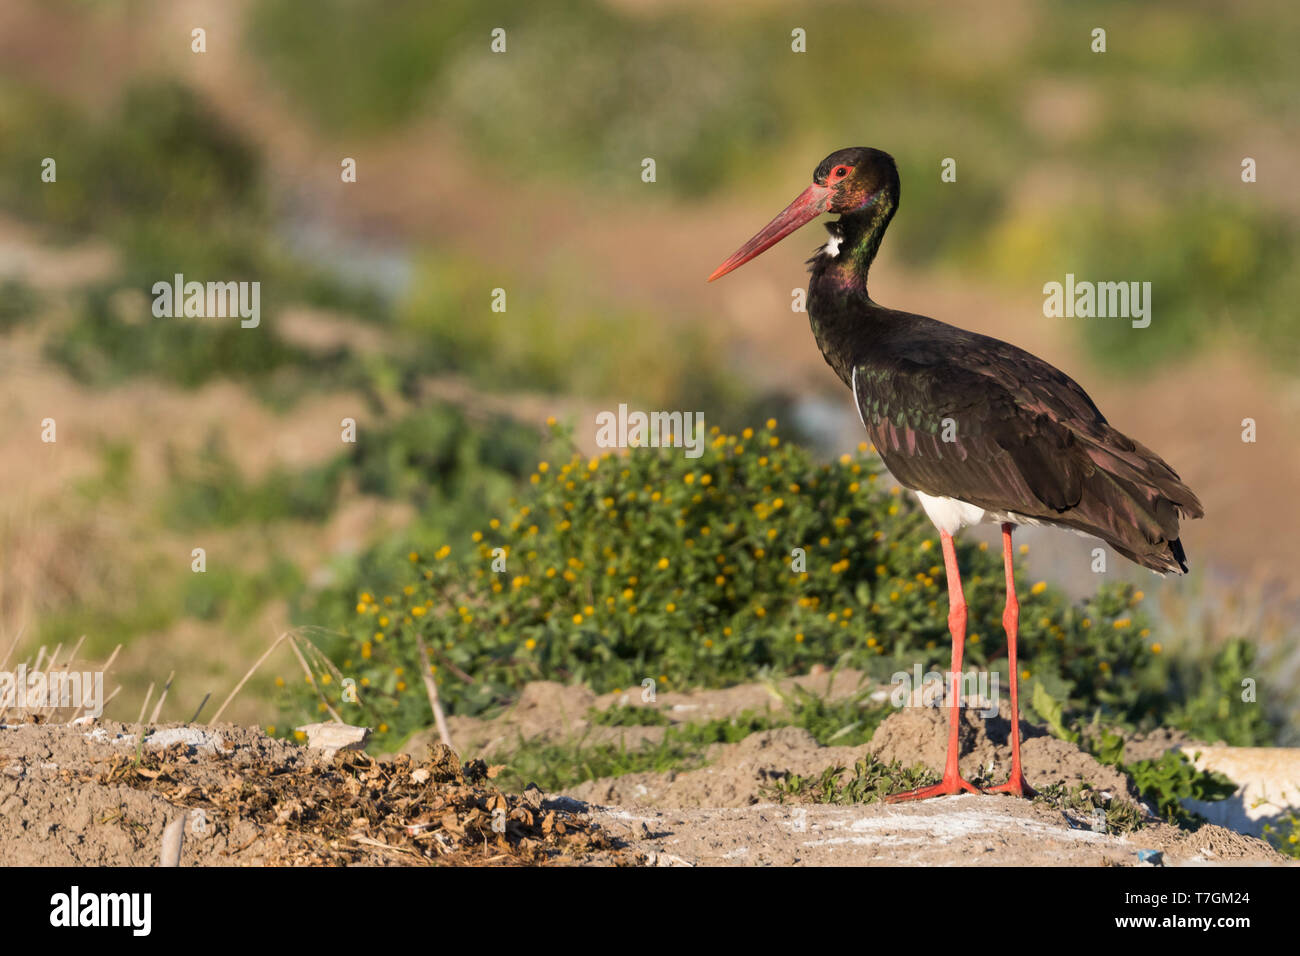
x=577, y=619
x=760, y=611
x=1038, y=588
x=418, y=611
x=279, y=682
x=442, y=552
x=663, y=564
x=365, y=650
x=550, y=421
x=670, y=607
x=413, y=557
x=530, y=643
x=543, y=467
x=476, y=537
x=706, y=479
x=299, y=736
x=1024, y=675
x=1157, y=648
x=798, y=638
x=771, y=424
x=726, y=632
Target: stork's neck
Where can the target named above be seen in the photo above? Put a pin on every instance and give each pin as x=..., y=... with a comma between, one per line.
x=843, y=318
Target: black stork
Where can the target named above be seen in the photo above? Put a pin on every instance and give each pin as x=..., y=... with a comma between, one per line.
x=1029, y=446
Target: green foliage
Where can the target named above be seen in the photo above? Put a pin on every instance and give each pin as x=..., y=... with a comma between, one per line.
x=103, y=347
x=871, y=780
x=18, y=302
x=1083, y=800
x=1173, y=778
x=1163, y=782
x=1210, y=699
x=433, y=458
x=653, y=564
x=627, y=715
x=843, y=722
x=558, y=766
x=1285, y=837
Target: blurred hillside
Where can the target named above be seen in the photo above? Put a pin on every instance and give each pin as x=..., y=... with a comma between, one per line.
x=522, y=171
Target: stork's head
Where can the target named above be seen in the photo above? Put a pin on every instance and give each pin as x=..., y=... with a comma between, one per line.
x=850, y=182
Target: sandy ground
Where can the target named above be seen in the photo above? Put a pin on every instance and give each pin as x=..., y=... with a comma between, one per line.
x=102, y=793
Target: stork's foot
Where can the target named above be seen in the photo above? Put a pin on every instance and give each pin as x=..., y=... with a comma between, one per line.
x=1017, y=786
x=949, y=785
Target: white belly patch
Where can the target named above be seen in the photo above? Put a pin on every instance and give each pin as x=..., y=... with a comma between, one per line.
x=948, y=514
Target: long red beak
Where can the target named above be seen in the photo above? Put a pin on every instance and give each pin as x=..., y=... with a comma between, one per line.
x=812, y=202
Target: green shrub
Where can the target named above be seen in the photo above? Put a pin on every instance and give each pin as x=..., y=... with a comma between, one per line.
x=616, y=568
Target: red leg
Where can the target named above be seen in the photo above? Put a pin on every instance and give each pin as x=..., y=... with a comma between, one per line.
x=1011, y=622
x=952, y=780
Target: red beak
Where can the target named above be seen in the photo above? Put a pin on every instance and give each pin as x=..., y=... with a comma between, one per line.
x=812, y=202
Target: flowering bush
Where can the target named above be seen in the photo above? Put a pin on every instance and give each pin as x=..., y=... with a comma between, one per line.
x=648, y=564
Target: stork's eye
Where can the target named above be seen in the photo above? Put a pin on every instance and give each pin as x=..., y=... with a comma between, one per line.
x=840, y=172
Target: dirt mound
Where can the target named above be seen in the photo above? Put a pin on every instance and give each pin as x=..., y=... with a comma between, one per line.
x=102, y=795
x=736, y=774
x=920, y=735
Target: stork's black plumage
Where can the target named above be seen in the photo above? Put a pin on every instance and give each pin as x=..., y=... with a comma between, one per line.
x=980, y=429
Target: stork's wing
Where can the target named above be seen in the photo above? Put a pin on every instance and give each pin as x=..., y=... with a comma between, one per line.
x=949, y=430
x=973, y=418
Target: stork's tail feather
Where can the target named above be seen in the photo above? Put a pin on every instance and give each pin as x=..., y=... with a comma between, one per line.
x=1134, y=502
